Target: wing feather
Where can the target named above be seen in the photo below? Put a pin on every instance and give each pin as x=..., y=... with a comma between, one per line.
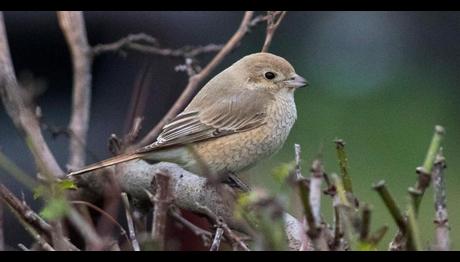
x=228, y=114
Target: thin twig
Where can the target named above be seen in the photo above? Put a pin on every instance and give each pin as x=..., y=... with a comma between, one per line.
x=161, y=202
x=221, y=223
x=390, y=203
x=343, y=163
x=89, y=234
x=147, y=44
x=196, y=80
x=298, y=169
x=424, y=172
x=26, y=213
x=315, y=190
x=440, y=204
x=129, y=219
x=365, y=223
x=104, y=213
x=73, y=27
x=203, y=234
x=413, y=233
x=273, y=21
x=216, y=242
x=22, y=111
x=22, y=247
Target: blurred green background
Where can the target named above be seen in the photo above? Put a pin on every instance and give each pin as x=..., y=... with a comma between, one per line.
x=379, y=80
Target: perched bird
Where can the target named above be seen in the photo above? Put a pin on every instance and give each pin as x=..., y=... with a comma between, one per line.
x=240, y=116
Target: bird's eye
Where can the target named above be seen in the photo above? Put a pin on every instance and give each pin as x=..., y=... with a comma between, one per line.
x=269, y=75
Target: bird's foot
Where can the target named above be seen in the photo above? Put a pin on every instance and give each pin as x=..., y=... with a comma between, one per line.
x=235, y=182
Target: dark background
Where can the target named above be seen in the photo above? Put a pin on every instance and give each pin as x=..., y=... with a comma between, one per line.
x=378, y=80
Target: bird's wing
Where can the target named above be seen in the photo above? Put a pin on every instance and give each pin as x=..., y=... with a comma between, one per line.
x=205, y=119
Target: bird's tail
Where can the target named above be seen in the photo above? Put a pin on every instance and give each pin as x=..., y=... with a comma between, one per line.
x=105, y=163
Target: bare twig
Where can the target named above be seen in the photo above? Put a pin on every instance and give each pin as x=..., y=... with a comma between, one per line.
x=129, y=219
x=161, y=202
x=441, y=218
x=390, y=203
x=73, y=26
x=92, y=239
x=26, y=213
x=104, y=213
x=314, y=230
x=195, y=81
x=315, y=190
x=365, y=223
x=191, y=192
x=22, y=112
x=147, y=44
x=219, y=221
x=413, y=233
x=216, y=242
x=22, y=247
x=298, y=169
x=343, y=163
x=203, y=234
x=274, y=19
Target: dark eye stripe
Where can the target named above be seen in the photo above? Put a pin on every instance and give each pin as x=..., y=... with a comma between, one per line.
x=269, y=75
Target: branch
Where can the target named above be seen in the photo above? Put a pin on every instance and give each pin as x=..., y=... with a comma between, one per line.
x=129, y=220
x=441, y=220
x=191, y=192
x=198, y=231
x=195, y=81
x=161, y=202
x=73, y=26
x=147, y=44
x=343, y=163
x=22, y=111
x=216, y=242
x=274, y=19
x=390, y=203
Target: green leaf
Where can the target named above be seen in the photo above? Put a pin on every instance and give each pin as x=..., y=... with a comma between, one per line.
x=282, y=172
x=55, y=209
x=366, y=246
x=67, y=184
x=39, y=191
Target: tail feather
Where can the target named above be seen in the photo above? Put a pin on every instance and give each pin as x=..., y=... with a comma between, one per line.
x=105, y=163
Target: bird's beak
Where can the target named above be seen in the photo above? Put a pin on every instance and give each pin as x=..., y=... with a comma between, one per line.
x=296, y=81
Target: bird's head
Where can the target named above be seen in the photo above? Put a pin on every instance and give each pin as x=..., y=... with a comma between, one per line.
x=265, y=70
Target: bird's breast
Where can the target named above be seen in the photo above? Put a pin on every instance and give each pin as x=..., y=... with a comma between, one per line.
x=241, y=150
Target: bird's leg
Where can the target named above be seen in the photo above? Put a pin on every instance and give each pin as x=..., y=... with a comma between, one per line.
x=235, y=182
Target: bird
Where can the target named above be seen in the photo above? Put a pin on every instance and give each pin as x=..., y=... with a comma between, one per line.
x=242, y=115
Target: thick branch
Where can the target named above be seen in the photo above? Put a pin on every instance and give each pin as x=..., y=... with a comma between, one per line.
x=191, y=192
x=22, y=112
x=73, y=26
